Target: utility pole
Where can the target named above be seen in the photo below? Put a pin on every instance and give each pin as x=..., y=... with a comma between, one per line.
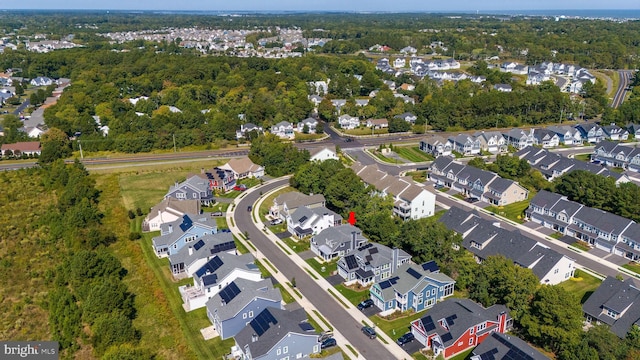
x=174, y=142
x=80, y=146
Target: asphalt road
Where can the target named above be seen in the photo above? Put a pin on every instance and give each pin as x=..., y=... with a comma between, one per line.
x=326, y=305
x=22, y=106
x=623, y=85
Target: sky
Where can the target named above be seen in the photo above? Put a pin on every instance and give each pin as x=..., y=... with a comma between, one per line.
x=320, y=5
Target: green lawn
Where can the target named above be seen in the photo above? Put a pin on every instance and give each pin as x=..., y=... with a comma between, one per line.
x=398, y=326
x=329, y=267
x=583, y=157
x=419, y=176
x=354, y=297
x=412, y=153
x=582, y=285
x=463, y=355
x=556, y=235
x=365, y=131
x=382, y=157
x=288, y=299
x=632, y=267
x=268, y=202
x=581, y=245
x=513, y=211
x=307, y=137
x=297, y=245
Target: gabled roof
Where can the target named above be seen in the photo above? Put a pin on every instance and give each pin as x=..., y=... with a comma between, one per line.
x=178, y=207
x=315, y=151
x=336, y=236
x=296, y=199
x=238, y=294
x=460, y=315
x=619, y=296
x=241, y=165
x=221, y=265
x=175, y=229
x=205, y=247
x=268, y=328
x=24, y=146
x=506, y=347
x=410, y=277
x=374, y=254
x=603, y=220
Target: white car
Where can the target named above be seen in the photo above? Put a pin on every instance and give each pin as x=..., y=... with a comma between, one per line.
x=275, y=221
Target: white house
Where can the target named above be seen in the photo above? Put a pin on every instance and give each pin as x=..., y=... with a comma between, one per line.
x=322, y=154
x=306, y=221
x=399, y=63
x=169, y=210
x=41, y=81
x=348, y=122
x=244, y=168
x=311, y=124
x=283, y=130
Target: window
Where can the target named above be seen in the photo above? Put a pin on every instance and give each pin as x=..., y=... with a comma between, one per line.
x=244, y=316
x=316, y=348
x=434, y=292
x=471, y=331
x=471, y=341
x=195, y=195
x=299, y=356
x=251, y=314
x=279, y=351
x=482, y=326
x=285, y=349
x=556, y=271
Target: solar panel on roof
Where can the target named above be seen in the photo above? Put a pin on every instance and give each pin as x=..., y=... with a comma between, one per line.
x=451, y=319
x=210, y=266
x=447, y=337
x=229, y=292
x=262, y=322
x=302, y=219
x=489, y=355
x=414, y=273
x=385, y=284
x=223, y=247
x=186, y=223
x=430, y=266
x=305, y=326
x=198, y=245
x=374, y=250
x=351, y=262
x=428, y=324
x=514, y=353
x=209, y=279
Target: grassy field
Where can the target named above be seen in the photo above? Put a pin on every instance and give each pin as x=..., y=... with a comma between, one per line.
x=383, y=158
x=397, y=326
x=268, y=202
x=366, y=131
x=307, y=137
x=463, y=355
x=513, y=211
x=329, y=267
x=632, y=267
x=583, y=157
x=297, y=245
x=582, y=285
x=354, y=297
x=419, y=176
x=412, y=153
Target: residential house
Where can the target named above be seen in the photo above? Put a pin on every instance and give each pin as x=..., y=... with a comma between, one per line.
x=195, y=187
x=456, y=325
x=537, y=78
x=287, y=203
x=348, y=122
x=377, y=123
x=36, y=131
x=371, y=263
x=514, y=68
x=322, y=154
x=338, y=104
x=315, y=99
x=283, y=130
x=477, y=183
x=503, y=87
x=221, y=270
x=617, y=155
x=306, y=221
x=491, y=141
x=484, y=239
x=243, y=168
x=465, y=144
x=504, y=346
x=615, y=303
x=240, y=302
x=413, y=287
x=319, y=87
x=408, y=117
x=410, y=200
x=567, y=135
x=310, y=123
x=220, y=179
x=436, y=146
x=276, y=334
x=615, y=133
x=399, y=63
x=634, y=130
x=390, y=84
x=186, y=261
x=246, y=128
x=362, y=102
x=169, y=210
x=519, y=138
x=41, y=81
x=337, y=241
x=545, y=138
x=591, y=132
x=553, y=165
x=30, y=148
x=604, y=230
x=181, y=232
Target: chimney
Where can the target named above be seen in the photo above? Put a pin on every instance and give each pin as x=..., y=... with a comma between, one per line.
x=254, y=338
x=353, y=240
x=395, y=252
x=502, y=322
x=190, y=250
x=170, y=228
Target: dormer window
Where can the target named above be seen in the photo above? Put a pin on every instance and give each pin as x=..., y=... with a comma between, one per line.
x=611, y=313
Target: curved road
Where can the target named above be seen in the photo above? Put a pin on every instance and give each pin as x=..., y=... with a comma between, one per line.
x=335, y=314
x=623, y=86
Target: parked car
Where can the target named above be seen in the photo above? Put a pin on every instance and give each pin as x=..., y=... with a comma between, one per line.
x=249, y=208
x=365, y=304
x=275, y=221
x=240, y=187
x=438, y=186
x=368, y=330
x=327, y=343
x=217, y=213
x=405, y=339
x=348, y=140
x=471, y=200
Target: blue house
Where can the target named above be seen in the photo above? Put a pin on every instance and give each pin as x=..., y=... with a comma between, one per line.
x=176, y=234
x=277, y=334
x=413, y=287
x=190, y=258
x=240, y=302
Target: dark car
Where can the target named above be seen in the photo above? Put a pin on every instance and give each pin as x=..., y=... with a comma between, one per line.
x=249, y=208
x=405, y=339
x=327, y=343
x=365, y=304
x=368, y=330
x=472, y=200
x=348, y=140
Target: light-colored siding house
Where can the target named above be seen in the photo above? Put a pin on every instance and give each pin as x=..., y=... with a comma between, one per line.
x=348, y=122
x=306, y=221
x=322, y=154
x=244, y=168
x=311, y=124
x=371, y=263
x=377, y=123
x=436, y=146
x=283, y=130
x=337, y=241
x=169, y=210
x=181, y=232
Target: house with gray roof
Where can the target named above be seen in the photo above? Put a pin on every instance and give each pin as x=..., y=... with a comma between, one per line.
x=240, y=302
x=591, y=132
x=634, y=130
x=287, y=203
x=306, y=221
x=408, y=117
x=168, y=210
x=505, y=346
x=181, y=232
x=348, y=122
x=412, y=287
x=491, y=141
x=243, y=168
x=220, y=270
x=371, y=263
x=519, y=138
x=617, y=155
x=283, y=130
x=615, y=132
x=195, y=187
x=436, y=146
x=192, y=257
x=465, y=144
x=553, y=165
x=567, y=135
x=310, y=123
x=277, y=334
x=456, y=325
x=484, y=239
x=545, y=138
x=337, y=241
x=615, y=303
x=248, y=127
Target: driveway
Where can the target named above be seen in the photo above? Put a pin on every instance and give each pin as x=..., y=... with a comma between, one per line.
x=412, y=347
x=306, y=255
x=335, y=280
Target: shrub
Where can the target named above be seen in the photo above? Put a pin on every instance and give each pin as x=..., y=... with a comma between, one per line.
x=131, y=214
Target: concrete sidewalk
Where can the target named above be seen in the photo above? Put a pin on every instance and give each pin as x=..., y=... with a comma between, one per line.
x=396, y=350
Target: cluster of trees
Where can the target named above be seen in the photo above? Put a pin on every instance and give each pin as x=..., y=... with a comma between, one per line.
x=600, y=192
x=278, y=158
x=514, y=168
x=87, y=287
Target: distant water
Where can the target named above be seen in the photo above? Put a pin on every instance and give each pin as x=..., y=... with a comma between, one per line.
x=600, y=13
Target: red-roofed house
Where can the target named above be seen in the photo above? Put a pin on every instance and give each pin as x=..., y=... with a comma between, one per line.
x=20, y=148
